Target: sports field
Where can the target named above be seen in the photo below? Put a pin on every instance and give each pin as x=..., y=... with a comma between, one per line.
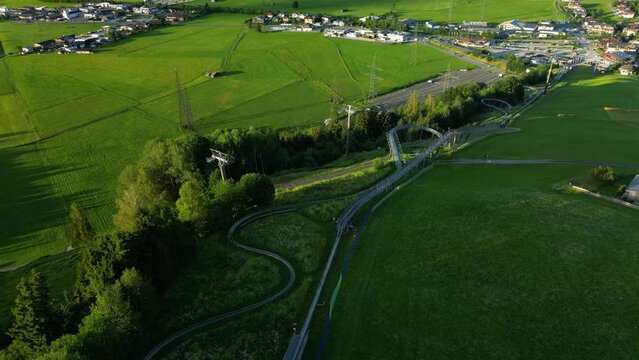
x=80, y=119
x=438, y=10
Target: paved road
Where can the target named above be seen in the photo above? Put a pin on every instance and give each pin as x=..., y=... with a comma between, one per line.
x=423, y=89
x=538, y=161
x=483, y=73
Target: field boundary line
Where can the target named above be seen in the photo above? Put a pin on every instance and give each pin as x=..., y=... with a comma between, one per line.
x=160, y=43
x=244, y=117
x=348, y=70
x=100, y=88
x=21, y=103
x=304, y=72
x=80, y=126
x=226, y=63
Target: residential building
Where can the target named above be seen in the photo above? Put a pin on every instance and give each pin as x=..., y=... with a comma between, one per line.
x=631, y=194
x=627, y=70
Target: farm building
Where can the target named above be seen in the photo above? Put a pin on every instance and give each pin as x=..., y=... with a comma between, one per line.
x=631, y=193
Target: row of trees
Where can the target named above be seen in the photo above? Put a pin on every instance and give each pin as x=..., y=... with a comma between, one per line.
x=166, y=201
x=459, y=105
x=268, y=151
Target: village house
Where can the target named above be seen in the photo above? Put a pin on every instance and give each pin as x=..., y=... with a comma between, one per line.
x=517, y=27
x=618, y=57
x=623, y=9
x=631, y=30
x=621, y=47
x=473, y=43
x=626, y=70
x=631, y=194
x=409, y=23
x=71, y=14
x=575, y=7
x=395, y=37
x=431, y=25
x=598, y=28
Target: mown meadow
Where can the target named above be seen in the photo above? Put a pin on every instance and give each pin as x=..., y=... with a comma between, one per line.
x=438, y=10
x=71, y=124
x=589, y=117
x=486, y=261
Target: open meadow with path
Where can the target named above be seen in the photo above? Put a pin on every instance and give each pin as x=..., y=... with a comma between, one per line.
x=498, y=261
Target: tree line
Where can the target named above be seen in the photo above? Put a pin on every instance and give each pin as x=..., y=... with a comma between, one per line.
x=458, y=106
x=166, y=201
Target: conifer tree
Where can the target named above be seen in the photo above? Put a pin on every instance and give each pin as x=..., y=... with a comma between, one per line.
x=33, y=313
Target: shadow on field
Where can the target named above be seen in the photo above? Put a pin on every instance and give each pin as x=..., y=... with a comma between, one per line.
x=29, y=203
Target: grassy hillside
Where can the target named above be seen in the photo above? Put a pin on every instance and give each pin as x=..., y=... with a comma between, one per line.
x=82, y=118
x=491, y=262
x=439, y=10
x=592, y=117
x=449, y=268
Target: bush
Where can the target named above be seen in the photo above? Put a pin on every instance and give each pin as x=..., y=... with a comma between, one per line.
x=605, y=174
x=621, y=190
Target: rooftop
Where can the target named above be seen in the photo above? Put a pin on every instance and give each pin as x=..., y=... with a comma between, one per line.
x=634, y=184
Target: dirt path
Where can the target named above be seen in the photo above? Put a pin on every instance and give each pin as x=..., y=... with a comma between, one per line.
x=322, y=176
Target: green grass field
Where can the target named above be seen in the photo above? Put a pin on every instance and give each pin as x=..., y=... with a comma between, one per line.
x=88, y=116
x=14, y=34
x=589, y=118
x=491, y=262
x=439, y=10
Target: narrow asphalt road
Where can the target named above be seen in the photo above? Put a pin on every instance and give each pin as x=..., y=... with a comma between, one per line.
x=437, y=86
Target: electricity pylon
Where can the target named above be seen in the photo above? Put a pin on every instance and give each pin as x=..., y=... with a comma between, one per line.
x=185, y=115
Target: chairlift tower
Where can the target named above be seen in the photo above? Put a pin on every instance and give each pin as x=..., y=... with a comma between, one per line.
x=223, y=160
x=348, y=128
x=552, y=62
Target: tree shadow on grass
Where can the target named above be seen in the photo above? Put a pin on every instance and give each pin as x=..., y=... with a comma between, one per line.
x=32, y=214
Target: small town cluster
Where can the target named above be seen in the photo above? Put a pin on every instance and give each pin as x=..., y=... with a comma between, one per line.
x=123, y=20
x=100, y=12
x=617, y=45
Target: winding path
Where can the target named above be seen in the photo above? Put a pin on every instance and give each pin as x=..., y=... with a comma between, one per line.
x=231, y=236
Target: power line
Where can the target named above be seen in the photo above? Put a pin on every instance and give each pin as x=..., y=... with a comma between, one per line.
x=372, y=90
x=483, y=10
x=185, y=119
